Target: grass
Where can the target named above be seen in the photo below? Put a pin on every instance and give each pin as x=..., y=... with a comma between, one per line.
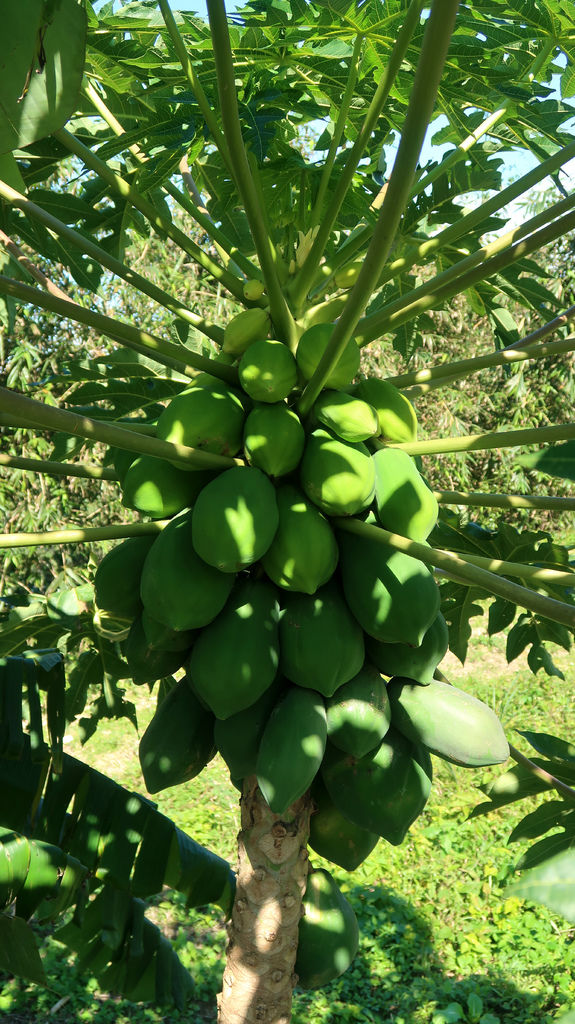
x=441, y=940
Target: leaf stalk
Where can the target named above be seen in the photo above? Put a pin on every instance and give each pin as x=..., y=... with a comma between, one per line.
x=421, y=103
x=470, y=575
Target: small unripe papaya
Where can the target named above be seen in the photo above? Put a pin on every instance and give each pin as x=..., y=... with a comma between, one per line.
x=348, y=275
x=248, y=326
x=253, y=290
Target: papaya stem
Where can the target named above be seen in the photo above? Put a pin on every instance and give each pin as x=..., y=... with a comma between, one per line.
x=488, y=260
x=421, y=103
x=177, y=357
x=49, y=468
x=309, y=269
x=81, y=534
x=339, y=128
x=490, y=439
x=259, y=974
x=49, y=417
x=465, y=367
x=223, y=58
x=160, y=224
x=481, y=500
x=468, y=574
x=89, y=248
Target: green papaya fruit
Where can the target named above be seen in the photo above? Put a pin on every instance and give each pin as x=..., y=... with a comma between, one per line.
x=396, y=415
x=404, y=502
x=392, y=595
x=337, y=476
x=238, y=737
x=210, y=418
x=117, y=578
x=235, y=658
x=178, y=742
x=346, y=276
x=147, y=664
x=158, y=489
x=350, y=418
x=417, y=663
x=245, y=328
x=235, y=519
x=334, y=836
x=311, y=347
x=328, y=936
x=303, y=554
x=321, y=643
x=177, y=587
x=268, y=371
x=448, y=721
x=253, y=290
x=383, y=791
x=358, y=714
x=161, y=637
x=274, y=439
x=291, y=748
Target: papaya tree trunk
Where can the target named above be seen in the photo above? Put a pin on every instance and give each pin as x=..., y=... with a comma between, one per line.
x=263, y=932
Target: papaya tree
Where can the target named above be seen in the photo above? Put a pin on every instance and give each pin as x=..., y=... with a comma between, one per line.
x=285, y=573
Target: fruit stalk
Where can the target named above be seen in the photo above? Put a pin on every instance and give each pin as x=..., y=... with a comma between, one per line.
x=263, y=932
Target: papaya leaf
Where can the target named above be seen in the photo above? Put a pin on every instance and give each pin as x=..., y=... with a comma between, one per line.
x=550, y=746
x=19, y=953
x=44, y=61
x=540, y=658
x=518, y=783
x=500, y=616
x=555, y=460
x=552, y=887
x=535, y=824
x=109, y=830
x=44, y=882
x=458, y=604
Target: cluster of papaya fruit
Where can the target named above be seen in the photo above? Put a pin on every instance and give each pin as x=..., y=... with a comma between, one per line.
x=309, y=651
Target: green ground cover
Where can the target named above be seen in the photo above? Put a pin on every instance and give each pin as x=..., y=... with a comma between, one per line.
x=442, y=940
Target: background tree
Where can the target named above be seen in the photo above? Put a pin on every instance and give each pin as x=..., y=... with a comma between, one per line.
x=329, y=248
